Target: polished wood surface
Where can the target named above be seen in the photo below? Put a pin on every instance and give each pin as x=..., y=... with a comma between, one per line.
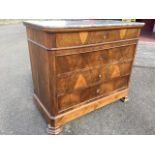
x=87, y=37
x=76, y=72
x=78, y=61
x=69, y=100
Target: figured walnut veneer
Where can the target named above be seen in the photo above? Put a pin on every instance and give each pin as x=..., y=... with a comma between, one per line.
x=78, y=38
x=78, y=70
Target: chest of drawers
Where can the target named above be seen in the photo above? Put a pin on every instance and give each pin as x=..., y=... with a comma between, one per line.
x=79, y=65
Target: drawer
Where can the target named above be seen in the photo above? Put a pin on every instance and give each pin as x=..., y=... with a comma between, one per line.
x=88, y=94
x=75, y=62
x=93, y=37
x=81, y=79
x=85, y=78
x=70, y=63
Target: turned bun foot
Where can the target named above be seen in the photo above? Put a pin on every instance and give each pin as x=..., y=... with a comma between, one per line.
x=54, y=130
x=124, y=99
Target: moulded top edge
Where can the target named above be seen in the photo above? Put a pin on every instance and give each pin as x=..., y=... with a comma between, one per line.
x=74, y=24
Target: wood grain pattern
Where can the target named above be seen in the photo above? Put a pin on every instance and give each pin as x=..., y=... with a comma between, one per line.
x=90, y=93
x=76, y=71
x=44, y=39
x=76, y=38
x=78, y=61
x=85, y=78
x=83, y=36
x=81, y=79
x=40, y=74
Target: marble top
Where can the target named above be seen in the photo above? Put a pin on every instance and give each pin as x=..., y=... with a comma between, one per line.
x=80, y=23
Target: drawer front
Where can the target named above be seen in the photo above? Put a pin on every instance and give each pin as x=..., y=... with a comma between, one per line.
x=81, y=79
x=80, y=61
x=70, y=63
x=93, y=37
x=88, y=94
x=84, y=79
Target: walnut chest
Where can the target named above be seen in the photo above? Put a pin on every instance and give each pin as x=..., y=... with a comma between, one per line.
x=79, y=65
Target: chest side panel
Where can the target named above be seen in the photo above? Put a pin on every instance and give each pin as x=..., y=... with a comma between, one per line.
x=42, y=65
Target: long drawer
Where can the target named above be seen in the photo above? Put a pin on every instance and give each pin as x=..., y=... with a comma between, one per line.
x=85, y=78
x=74, y=62
x=75, y=98
x=93, y=37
